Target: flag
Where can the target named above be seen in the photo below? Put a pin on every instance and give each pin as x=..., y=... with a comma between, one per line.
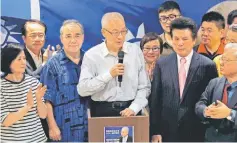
x=140, y=16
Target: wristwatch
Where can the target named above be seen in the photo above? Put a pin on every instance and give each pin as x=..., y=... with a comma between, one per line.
x=230, y=116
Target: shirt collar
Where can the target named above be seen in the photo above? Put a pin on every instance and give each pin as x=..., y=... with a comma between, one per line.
x=105, y=50
x=64, y=59
x=188, y=58
x=33, y=55
x=233, y=85
x=162, y=36
x=220, y=50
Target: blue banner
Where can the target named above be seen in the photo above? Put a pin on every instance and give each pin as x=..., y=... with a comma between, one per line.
x=140, y=15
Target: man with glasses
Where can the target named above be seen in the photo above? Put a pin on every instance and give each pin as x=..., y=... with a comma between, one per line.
x=100, y=71
x=212, y=33
x=218, y=103
x=231, y=37
x=167, y=12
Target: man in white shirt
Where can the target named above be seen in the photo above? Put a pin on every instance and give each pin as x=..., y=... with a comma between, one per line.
x=100, y=71
x=178, y=82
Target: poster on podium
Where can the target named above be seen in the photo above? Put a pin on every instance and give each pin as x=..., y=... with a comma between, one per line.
x=118, y=134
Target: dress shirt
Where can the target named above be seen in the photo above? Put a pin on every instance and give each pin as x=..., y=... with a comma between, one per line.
x=38, y=60
x=188, y=62
x=125, y=139
x=97, y=82
x=61, y=77
x=230, y=92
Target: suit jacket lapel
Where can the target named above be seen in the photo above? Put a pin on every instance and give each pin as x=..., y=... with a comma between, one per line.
x=194, y=65
x=29, y=59
x=218, y=92
x=174, y=73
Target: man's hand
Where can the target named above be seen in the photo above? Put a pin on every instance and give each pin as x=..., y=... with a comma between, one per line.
x=46, y=54
x=116, y=70
x=54, y=133
x=218, y=111
x=127, y=112
x=207, y=111
x=49, y=53
x=157, y=138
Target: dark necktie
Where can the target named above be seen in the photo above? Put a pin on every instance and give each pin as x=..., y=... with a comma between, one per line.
x=225, y=94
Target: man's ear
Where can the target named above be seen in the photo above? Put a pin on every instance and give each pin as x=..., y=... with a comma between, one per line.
x=223, y=33
x=195, y=40
x=103, y=32
x=24, y=38
x=61, y=37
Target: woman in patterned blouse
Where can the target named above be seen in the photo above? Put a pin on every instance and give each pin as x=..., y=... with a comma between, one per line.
x=152, y=47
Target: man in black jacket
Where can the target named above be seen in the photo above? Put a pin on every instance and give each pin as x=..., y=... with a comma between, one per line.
x=33, y=35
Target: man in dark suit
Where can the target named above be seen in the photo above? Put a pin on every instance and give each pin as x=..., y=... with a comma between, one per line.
x=218, y=104
x=33, y=35
x=124, y=136
x=179, y=80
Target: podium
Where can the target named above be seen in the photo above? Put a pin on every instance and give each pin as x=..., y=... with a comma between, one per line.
x=96, y=126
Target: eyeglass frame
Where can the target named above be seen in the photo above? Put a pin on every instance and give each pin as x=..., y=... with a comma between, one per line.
x=149, y=49
x=168, y=17
x=119, y=32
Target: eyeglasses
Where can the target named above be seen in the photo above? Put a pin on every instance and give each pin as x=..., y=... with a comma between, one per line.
x=171, y=17
x=226, y=60
x=117, y=33
x=154, y=49
x=34, y=36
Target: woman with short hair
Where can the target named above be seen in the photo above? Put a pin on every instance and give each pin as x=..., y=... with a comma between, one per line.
x=21, y=99
x=152, y=47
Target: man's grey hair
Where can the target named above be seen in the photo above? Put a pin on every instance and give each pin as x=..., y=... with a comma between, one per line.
x=232, y=47
x=71, y=21
x=110, y=16
x=233, y=27
x=125, y=128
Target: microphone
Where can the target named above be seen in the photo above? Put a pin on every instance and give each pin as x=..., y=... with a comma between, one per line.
x=120, y=60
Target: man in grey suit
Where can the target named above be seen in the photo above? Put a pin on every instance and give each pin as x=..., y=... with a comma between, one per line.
x=179, y=80
x=218, y=104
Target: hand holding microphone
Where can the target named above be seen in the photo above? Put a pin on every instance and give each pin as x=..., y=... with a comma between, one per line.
x=118, y=69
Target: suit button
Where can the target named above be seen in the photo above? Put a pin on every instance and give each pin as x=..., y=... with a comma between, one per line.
x=216, y=130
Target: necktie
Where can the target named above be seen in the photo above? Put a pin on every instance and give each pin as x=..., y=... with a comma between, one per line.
x=225, y=94
x=182, y=76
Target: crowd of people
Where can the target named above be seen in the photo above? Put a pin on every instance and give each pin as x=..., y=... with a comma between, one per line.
x=189, y=85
